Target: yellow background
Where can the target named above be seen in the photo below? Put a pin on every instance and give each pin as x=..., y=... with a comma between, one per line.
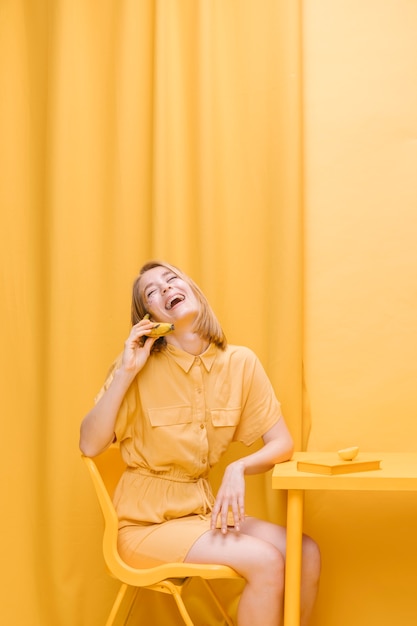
x=360, y=306
x=269, y=149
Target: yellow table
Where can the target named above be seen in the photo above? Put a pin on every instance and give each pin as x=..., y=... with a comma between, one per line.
x=398, y=472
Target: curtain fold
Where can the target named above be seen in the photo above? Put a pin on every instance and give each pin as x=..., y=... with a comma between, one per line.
x=132, y=130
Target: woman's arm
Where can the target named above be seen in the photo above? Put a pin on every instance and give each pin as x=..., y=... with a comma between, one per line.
x=97, y=427
x=278, y=447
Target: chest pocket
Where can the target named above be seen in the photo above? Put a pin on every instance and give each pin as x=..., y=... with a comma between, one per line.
x=170, y=416
x=225, y=417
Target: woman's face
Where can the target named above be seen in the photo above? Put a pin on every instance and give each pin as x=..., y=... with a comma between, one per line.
x=167, y=297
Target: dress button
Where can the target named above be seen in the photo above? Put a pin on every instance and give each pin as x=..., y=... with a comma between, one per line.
x=204, y=461
x=201, y=426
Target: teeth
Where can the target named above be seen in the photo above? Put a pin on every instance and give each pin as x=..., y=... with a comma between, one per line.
x=174, y=299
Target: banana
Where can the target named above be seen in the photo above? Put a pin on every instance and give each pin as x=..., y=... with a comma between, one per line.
x=348, y=454
x=160, y=328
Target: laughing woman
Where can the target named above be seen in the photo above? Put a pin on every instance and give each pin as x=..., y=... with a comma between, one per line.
x=174, y=404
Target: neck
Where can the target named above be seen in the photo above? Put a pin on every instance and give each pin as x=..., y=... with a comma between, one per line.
x=189, y=342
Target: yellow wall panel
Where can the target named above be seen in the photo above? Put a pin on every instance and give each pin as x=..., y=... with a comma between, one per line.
x=360, y=111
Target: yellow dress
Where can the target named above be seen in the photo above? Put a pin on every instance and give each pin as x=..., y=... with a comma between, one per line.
x=177, y=418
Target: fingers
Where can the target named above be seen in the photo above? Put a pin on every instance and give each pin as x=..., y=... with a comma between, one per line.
x=228, y=512
x=141, y=328
x=229, y=507
x=138, y=331
x=148, y=344
x=138, y=346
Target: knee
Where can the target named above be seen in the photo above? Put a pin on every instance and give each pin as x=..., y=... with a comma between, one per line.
x=269, y=568
x=275, y=561
x=311, y=559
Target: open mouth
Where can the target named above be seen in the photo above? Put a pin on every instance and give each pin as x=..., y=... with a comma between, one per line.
x=174, y=301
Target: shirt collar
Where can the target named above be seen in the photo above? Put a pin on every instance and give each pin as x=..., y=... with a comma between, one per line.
x=186, y=360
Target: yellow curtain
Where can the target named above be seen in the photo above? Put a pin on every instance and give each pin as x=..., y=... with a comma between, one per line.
x=131, y=129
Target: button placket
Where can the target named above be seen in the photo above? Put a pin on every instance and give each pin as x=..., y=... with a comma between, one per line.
x=199, y=406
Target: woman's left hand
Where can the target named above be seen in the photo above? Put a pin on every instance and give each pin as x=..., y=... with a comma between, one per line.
x=231, y=495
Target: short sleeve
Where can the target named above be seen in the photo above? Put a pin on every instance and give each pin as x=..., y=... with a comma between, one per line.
x=261, y=408
x=127, y=408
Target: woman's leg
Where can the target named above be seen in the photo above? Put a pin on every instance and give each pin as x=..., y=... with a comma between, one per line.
x=311, y=563
x=259, y=562
x=257, y=552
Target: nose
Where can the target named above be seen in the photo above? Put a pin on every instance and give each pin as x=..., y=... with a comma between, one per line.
x=166, y=287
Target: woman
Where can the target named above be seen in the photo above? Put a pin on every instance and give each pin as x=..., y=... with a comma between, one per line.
x=174, y=404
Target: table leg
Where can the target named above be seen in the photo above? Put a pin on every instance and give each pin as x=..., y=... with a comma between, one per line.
x=293, y=561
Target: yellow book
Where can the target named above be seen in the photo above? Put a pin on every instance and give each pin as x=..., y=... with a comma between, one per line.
x=338, y=466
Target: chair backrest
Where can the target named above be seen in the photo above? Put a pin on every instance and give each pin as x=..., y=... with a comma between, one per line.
x=110, y=466
x=105, y=471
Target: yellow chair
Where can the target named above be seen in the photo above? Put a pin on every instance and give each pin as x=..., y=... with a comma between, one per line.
x=172, y=578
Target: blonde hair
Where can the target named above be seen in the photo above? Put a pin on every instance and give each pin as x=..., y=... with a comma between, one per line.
x=206, y=324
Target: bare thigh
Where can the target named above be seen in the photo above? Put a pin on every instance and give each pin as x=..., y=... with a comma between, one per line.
x=258, y=542
x=267, y=531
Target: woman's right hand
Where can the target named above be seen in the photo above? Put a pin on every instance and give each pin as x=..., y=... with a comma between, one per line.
x=97, y=428
x=138, y=347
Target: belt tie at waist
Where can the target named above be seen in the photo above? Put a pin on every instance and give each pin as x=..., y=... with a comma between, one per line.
x=206, y=494
x=203, y=485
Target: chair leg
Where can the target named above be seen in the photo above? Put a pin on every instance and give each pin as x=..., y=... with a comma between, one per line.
x=217, y=602
x=118, y=603
x=175, y=591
